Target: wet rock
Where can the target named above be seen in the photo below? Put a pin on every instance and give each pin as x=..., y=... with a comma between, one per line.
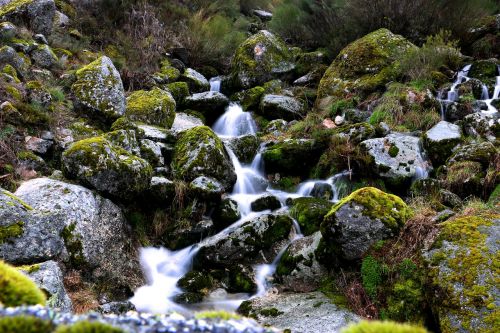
x=151, y=152
x=397, y=158
x=483, y=126
x=155, y=107
x=294, y=156
x=309, y=213
x=361, y=219
x=206, y=188
x=186, y=233
x=276, y=127
x=37, y=13
x=265, y=202
x=196, y=81
x=261, y=58
x=210, y=103
x=226, y=213
x=305, y=312
x=322, y=191
x=49, y=278
x=244, y=147
x=440, y=140
x=256, y=241
x=249, y=99
x=298, y=269
x=99, y=89
x=116, y=308
x=281, y=107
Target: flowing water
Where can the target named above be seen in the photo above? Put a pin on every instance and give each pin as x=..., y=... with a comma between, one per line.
x=163, y=268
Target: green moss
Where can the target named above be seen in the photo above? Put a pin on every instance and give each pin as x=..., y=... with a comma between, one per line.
x=9, y=70
x=382, y=327
x=179, y=90
x=17, y=289
x=494, y=198
x=11, y=231
x=13, y=6
x=195, y=281
x=249, y=99
x=25, y=324
x=241, y=282
x=88, y=327
x=223, y=315
x=73, y=245
x=270, y=312
x=155, y=107
x=393, y=151
x=309, y=213
x=288, y=263
x=371, y=274
x=29, y=268
x=17, y=200
x=390, y=209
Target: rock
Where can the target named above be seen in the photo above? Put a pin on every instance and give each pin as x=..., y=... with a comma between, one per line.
x=156, y=134
x=38, y=145
x=196, y=81
x=99, y=89
x=276, y=127
x=244, y=147
x=261, y=58
x=249, y=99
x=226, y=213
x=481, y=152
x=210, y=104
x=309, y=213
x=37, y=13
x=199, y=152
x=179, y=91
x=339, y=120
x=116, y=308
x=281, y=107
x=298, y=269
x=108, y=168
x=363, y=66
x=49, y=278
x=305, y=312
x=265, y=202
x=37, y=94
x=263, y=15
x=472, y=86
x=440, y=140
x=291, y=156
x=155, y=107
x=183, y=121
x=256, y=241
x=483, y=126
x=484, y=70
x=162, y=189
x=9, y=56
x=93, y=229
x=360, y=220
x=186, y=233
x=61, y=20
x=398, y=158
x=7, y=30
x=322, y=191
x=124, y=139
x=151, y=152
x=462, y=271
x=206, y=188
x=167, y=73
x=465, y=178
x=44, y=57
x=450, y=199
x=356, y=133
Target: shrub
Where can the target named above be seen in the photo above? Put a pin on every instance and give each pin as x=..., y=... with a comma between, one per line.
x=88, y=327
x=17, y=289
x=382, y=327
x=25, y=324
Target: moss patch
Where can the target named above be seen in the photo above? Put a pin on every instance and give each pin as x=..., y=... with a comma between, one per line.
x=25, y=324
x=17, y=289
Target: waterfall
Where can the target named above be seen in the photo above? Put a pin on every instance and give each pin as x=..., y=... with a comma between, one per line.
x=215, y=84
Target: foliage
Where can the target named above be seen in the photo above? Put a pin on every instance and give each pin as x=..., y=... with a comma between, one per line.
x=382, y=327
x=371, y=273
x=25, y=324
x=17, y=289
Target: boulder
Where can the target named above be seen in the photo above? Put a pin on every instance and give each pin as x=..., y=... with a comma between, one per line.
x=7, y=30
x=291, y=156
x=196, y=81
x=9, y=56
x=37, y=13
x=206, y=188
x=154, y=107
x=152, y=152
x=309, y=213
x=298, y=268
x=49, y=278
x=265, y=202
x=397, y=158
x=480, y=125
x=184, y=121
x=99, y=89
x=38, y=145
x=461, y=266
x=256, y=241
x=440, y=140
x=481, y=152
x=162, y=189
x=360, y=220
x=363, y=66
x=211, y=104
x=185, y=233
x=485, y=71
x=179, y=91
x=200, y=152
x=108, y=168
x=281, y=107
x=249, y=99
x=261, y=58
x=244, y=147
x=44, y=57
x=226, y=213
x=125, y=139
x=298, y=312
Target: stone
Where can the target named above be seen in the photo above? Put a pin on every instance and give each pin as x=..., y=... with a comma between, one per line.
x=184, y=121
x=298, y=312
x=263, y=15
x=360, y=220
x=61, y=20
x=49, y=278
x=261, y=58
x=162, y=189
x=99, y=89
x=211, y=104
x=151, y=152
x=226, y=213
x=249, y=99
x=38, y=145
x=206, y=188
x=481, y=152
x=155, y=107
x=291, y=156
x=265, y=202
x=110, y=169
x=125, y=139
x=37, y=13
x=7, y=30
x=9, y=56
x=281, y=107
x=309, y=213
x=484, y=126
x=440, y=140
x=196, y=81
x=245, y=147
x=397, y=158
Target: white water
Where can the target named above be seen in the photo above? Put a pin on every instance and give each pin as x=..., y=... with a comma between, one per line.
x=215, y=84
x=452, y=95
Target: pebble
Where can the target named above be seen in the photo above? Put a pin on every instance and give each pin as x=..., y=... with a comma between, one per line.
x=136, y=322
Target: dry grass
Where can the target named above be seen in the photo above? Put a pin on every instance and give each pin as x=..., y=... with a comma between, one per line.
x=357, y=298
x=82, y=296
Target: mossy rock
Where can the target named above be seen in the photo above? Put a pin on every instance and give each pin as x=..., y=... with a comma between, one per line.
x=88, y=327
x=463, y=270
x=364, y=66
x=200, y=152
x=361, y=219
x=249, y=99
x=440, y=140
x=292, y=157
x=167, y=73
x=196, y=281
x=17, y=289
x=260, y=58
x=110, y=169
x=179, y=91
x=37, y=14
x=382, y=327
x=226, y=213
x=99, y=89
x=25, y=324
x=155, y=107
x=485, y=71
x=309, y=213
x=465, y=178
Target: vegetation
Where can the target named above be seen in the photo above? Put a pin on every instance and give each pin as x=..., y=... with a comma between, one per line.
x=17, y=289
x=382, y=327
x=25, y=324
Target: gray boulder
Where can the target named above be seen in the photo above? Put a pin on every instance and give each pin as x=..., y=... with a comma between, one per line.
x=152, y=152
x=281, y=107
x=298, y=312
x=206, y=188
x=209, y=103
x=440, y=140
x=265, y=202
x=481, y=152
x=484, y=126
x=49, y=277
x=44, y=57
x=184, y=121
x=9, y=56
x=196, y=81
x=37, y=13
x=99, y=88
x=398, y=158
x=244, y=147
